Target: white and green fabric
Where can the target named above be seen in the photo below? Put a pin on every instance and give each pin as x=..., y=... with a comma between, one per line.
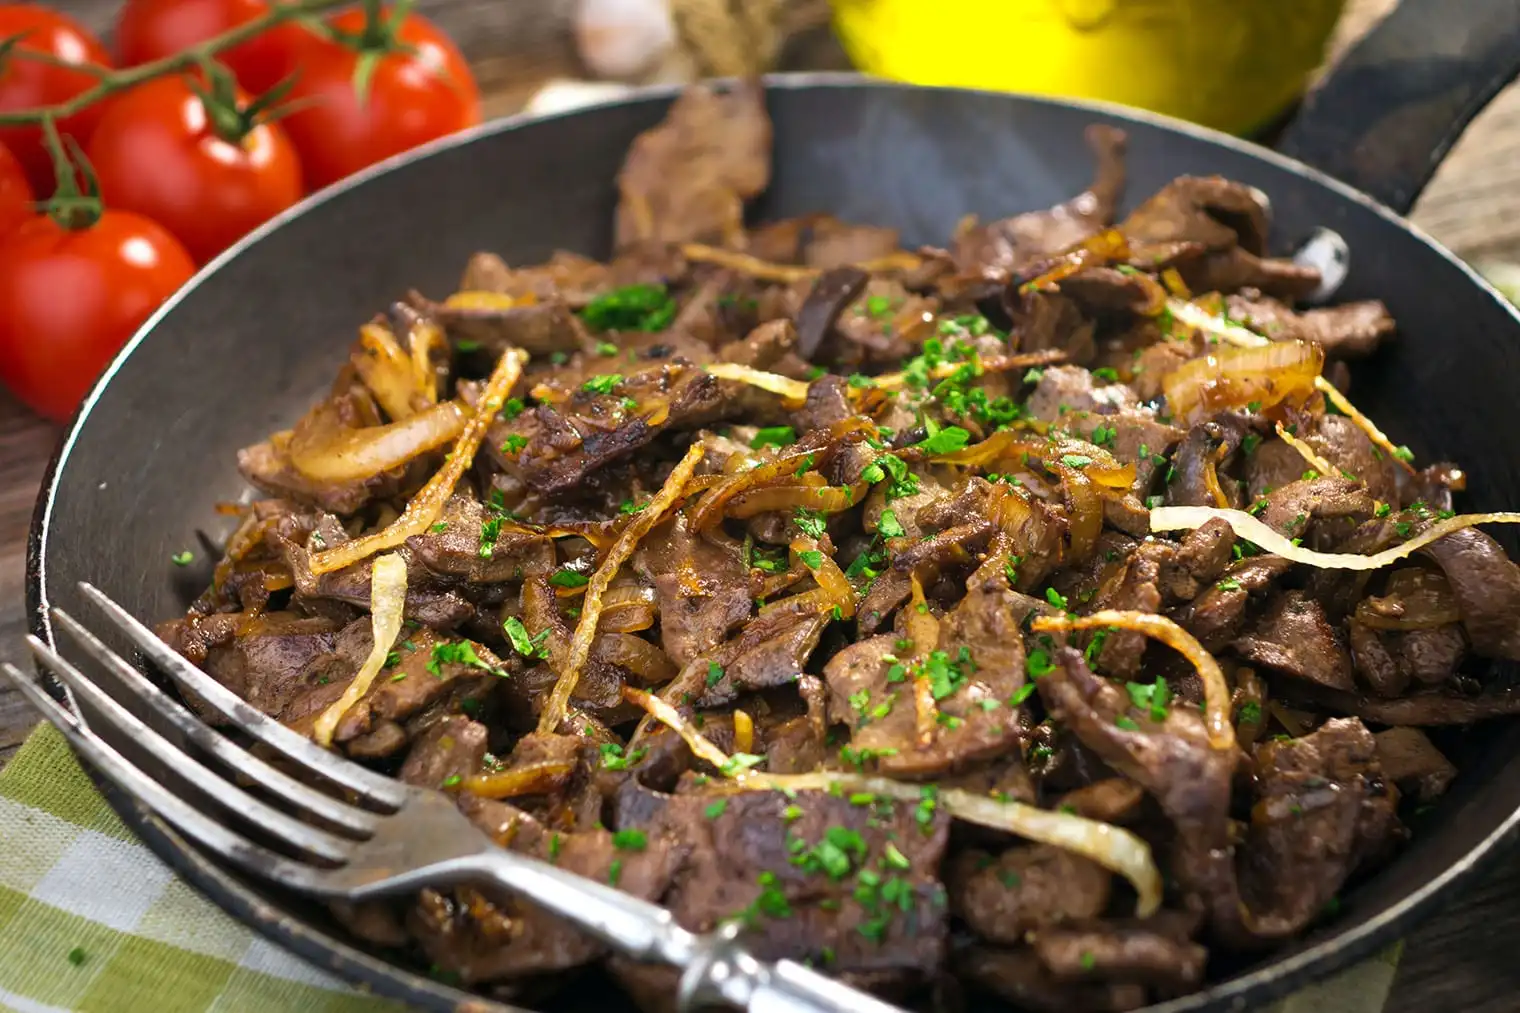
x=92, y=922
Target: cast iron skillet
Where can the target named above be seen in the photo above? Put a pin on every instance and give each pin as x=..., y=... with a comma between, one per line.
x=249, y=344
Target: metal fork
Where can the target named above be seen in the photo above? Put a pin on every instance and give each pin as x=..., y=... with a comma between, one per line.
x=420, y=839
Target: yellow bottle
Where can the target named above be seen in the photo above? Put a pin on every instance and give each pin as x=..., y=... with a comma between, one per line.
x=1228, y=64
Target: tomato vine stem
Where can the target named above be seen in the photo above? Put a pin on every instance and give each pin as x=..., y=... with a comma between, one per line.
x=112, y=82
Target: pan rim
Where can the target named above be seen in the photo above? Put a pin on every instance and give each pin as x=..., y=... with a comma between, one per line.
x=1270, y=981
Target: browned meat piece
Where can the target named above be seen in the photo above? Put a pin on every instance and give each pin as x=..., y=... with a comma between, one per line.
x=494, y=936
x=595, y=429
x=1063, y=390
x=833, y=243
x=424, y=671
x=1028, y=887
x=828, y=402
x=1207, y=445
x=572, y=278
x=988, y=253
x=687, y=179
x=879, y=328
x=540, y=328
x=1156, y=361
x=268, y=660
x=1135, y=590
x=453, y=748
x=1348, y=331
x=1294, y=637
x=1206, y=551
x=1342, y=442
x=812, y=875
x=1018, y=977
x=975, y=670
x=1292, y=509
x=1139, y=952
x=1487, y=586
x=455, y=546
x=763, y=346
x=1171, y=758
x=1373, y=662
x=1431, y=656
x=1044, y=320
x=1230, y=221
x=703, y=588
x=1410, y=761
x=1323, y=806
x=826, y=300
x=1270, y=466
x=1111, y=800
x=1107, y=415
x=427, y=600
x=771, y=650
x=1219, y=611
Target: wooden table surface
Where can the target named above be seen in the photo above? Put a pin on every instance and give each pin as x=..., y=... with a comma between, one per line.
x=1461, y=960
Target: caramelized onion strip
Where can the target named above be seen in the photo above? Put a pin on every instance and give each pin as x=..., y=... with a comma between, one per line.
x=387, y=602
x=425, y=507
x=1248, y=527
x=1305, y=451
x=792, y=392
x=1216, y=691
x=606, y=571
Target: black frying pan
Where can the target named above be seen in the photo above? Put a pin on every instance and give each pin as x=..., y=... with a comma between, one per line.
x=248, y=345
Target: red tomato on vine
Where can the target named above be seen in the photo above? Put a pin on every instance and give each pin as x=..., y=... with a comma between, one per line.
x=198, y=161
x=71, y=297
x=152, y=29
x=15, y=193
x=27, y=84
x=374, y=91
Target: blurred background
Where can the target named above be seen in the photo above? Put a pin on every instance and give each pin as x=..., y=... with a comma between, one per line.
x=1238, y=66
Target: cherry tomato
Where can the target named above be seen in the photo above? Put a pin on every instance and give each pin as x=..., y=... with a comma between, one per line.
x=413, y=97
x=70, y=298
x=15, y=192
x=157, y=151
x=151, y=29
x=27, y=84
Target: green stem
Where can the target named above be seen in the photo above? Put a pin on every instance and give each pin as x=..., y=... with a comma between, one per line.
x=115, y=81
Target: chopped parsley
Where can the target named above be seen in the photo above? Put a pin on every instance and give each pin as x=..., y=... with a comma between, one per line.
x=628, y=506
x=809, y=522
x=773, y=436
x=1038, y=664
x=182, y=558
x=1249, y=713
x=569, y=578
x=714, y=673
x=613, y=757
x=943, y=441
x=740, y=762
x=490, y=530
x=1152, y=697
x=513, y=443
x=1228, y=585
x=1124, y=722
x=644, y=308
x=888, y=525
x=1021, y=694
x=715, y=809
x=1403, y=453
x=812, y=559
x=1076, y=460
x=77, y=956
x=460, y=653
x=606, y=348
x=602, y=383
x=452, y=781
x=1055, y=598
x=512, y=408
x=522, y=642
x=1106, y=373
x=630, y=840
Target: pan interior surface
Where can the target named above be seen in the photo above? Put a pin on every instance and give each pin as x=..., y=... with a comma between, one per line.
x=247, y=349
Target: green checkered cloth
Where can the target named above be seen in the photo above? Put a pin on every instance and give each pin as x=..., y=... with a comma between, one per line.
x=92, y=922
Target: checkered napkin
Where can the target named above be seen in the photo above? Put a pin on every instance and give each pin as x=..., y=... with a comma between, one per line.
x=92, y=922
